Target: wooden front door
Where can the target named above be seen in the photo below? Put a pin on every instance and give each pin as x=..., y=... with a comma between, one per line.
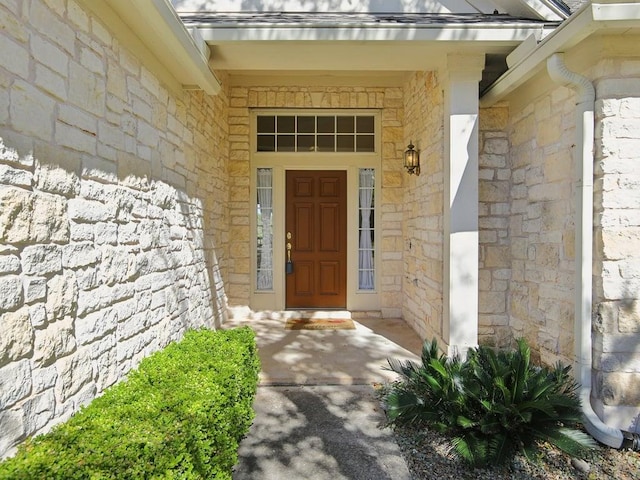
x=316, y=222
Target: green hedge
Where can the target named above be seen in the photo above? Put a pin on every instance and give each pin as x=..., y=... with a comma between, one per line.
x=180, y=415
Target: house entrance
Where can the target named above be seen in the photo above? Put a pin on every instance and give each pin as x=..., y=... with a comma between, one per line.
x=316, y=239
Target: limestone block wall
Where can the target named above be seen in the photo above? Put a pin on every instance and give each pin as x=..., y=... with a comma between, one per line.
x=494, y=212
x=423, y=209
x=390, y=101
x=617, y=241
x=541, y=222
x=542, y=232
x=112, y=213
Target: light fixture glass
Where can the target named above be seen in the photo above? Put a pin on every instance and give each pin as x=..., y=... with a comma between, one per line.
x=412, y=160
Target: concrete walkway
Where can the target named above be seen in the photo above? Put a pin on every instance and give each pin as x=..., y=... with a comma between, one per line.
x=317, y=417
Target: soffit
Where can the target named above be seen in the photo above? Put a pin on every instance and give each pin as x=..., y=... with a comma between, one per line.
x=283, y=41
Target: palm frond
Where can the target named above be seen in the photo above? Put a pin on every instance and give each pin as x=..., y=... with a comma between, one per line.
x=540, y=405
x=500, y=447
x=406, y=369
x=465, y=422
x=523, y=358
x=571, y=441
x=429, y=351
x=472, y=449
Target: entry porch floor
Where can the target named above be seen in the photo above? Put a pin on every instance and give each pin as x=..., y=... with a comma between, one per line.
x=330, y=357
x=317, y=414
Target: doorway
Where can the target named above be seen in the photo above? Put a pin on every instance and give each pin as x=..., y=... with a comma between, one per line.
x=316, y=238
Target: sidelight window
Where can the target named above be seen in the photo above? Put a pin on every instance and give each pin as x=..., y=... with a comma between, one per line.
x=264, y=215
x=366, y=248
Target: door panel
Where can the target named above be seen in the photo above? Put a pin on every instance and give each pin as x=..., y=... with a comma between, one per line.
x=303, y=231
x=329, y=278
x=329, y=187
x=316, y=217
x=303, y=279
x=329, y=237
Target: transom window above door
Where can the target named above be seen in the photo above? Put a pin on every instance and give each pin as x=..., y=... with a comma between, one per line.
x=316, y=133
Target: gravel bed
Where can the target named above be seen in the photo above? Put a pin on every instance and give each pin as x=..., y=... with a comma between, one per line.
x=428, y=456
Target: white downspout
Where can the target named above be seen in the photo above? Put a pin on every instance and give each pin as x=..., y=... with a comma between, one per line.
x=585, y=105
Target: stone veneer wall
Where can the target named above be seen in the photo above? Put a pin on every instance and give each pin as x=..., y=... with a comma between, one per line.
x=542, y=226
x=494, y=210
x=423, y=240
x=390, y=101
x=527, y=231
x=541, y=229
x=423, y=209
x=112, y=213
x=617, y=240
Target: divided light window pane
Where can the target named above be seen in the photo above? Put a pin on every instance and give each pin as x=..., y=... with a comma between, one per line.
x=266, y=143
x=365, y=124
x=345, y=143
x=286, y=124
x=306, y=124
x=306, y=143
x=266, y=124
x=365, y=143
x=326, y=124
x=286, y=143
x=326, y=143
x=346, y=124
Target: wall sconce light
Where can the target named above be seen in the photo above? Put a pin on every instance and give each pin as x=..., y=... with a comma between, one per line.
x=412, y=160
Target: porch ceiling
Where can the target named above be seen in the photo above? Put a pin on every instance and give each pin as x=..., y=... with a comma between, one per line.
x=283, y=42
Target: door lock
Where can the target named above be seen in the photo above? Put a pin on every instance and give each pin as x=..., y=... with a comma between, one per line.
x=289, y=264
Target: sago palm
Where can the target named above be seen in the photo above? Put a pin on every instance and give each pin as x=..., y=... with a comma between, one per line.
x=492, y=404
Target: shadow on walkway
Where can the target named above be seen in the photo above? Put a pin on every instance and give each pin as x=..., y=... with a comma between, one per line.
x=331, y=357
x=317, y=416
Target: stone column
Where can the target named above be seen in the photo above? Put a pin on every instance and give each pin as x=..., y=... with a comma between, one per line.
x=460, y=315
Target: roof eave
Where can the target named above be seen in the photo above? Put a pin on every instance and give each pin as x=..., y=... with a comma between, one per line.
x=589, y=19
x=156, y=24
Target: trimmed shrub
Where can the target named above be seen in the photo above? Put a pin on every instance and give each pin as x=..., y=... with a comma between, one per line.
x=181, y=414
x=492, y=404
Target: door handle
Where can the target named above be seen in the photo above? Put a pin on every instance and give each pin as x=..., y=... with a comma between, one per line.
x=289, y=264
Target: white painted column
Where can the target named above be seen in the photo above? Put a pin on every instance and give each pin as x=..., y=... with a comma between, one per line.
x=460, y=313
